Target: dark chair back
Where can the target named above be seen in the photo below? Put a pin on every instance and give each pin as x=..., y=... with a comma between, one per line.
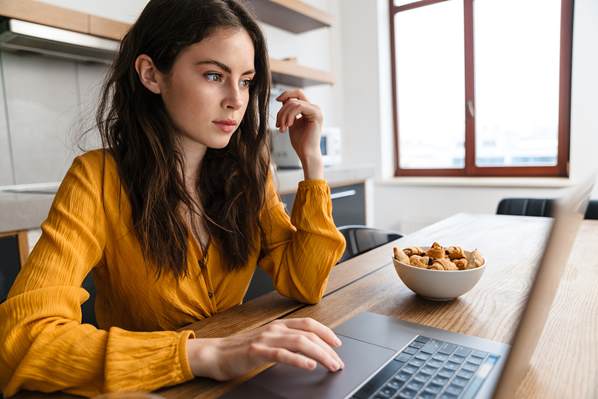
x=525, y=207
x=88, y=308
x=537, y=207
x=592, y=211
x=359, y=239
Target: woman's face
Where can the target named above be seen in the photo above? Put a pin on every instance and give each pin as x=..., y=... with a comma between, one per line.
x=207, y=90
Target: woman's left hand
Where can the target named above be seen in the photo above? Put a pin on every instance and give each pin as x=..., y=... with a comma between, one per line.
x=304, y=121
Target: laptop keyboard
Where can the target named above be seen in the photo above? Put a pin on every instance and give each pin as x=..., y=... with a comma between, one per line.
x=429, y=368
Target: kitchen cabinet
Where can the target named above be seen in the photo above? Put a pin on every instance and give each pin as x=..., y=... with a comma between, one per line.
x=348, y=204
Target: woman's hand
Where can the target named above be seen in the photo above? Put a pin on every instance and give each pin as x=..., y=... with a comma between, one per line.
x=304, y=121
x=297, y=342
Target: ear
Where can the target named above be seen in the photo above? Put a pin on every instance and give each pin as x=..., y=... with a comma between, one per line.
x=148, y=74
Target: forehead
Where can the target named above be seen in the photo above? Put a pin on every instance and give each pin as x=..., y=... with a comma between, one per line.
x=230, y=46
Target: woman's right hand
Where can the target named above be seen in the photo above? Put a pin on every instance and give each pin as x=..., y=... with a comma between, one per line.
x=297, y=342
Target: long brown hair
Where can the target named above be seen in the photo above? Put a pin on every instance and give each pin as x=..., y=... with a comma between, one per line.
x=137, y=131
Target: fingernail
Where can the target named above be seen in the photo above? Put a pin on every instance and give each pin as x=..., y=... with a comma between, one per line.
x=338, y=342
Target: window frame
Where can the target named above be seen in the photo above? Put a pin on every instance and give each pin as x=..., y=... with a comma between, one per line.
x=561, y=169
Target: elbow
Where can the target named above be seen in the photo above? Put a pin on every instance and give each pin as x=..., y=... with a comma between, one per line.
x=341, y=245
x=312, y=295
x=311, y=299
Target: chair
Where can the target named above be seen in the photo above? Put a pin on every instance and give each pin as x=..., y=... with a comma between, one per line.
x=360, y=239
x=592, y=211
x=525, y=207
x=537, y=207
x=87, y=309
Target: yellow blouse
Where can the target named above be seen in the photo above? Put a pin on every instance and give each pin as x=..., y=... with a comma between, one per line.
x=44, y=346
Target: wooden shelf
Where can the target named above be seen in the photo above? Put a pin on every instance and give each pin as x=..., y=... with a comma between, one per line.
x=283, y=72
x=292, y=74
x=63, y=18
x=291, y=15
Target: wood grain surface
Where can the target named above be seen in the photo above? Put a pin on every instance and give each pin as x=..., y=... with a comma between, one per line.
x=565, y=363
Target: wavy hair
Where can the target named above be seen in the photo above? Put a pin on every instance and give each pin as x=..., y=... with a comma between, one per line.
x=137, y=131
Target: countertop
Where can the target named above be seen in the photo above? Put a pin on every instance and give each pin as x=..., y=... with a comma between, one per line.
x=287, y=179
x=25, y=211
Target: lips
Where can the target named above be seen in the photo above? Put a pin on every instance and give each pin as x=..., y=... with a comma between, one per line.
x=228, y=122
x=226, y=125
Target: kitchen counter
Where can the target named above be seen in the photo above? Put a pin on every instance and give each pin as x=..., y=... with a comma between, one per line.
x=23, y=211
x=26, y=211
x=287, y=179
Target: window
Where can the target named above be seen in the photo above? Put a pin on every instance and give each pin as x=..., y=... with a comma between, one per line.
x=481, y=88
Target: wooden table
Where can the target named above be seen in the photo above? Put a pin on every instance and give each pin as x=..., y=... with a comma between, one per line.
x=565, y=363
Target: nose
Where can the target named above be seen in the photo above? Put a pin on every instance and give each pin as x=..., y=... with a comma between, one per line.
x=233, y=98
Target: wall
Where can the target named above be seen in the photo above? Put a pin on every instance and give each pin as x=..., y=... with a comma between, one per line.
x=404, y=206
x=47, y=103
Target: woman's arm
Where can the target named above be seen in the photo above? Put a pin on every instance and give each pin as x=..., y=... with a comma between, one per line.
x=301, y=250
x=43, y=345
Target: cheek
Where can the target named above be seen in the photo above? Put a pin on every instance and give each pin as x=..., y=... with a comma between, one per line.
x=187, y=102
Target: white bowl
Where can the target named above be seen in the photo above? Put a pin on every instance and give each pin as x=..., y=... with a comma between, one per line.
x=438, y=285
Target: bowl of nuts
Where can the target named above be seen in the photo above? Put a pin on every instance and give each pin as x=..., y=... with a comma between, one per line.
x=438, y=273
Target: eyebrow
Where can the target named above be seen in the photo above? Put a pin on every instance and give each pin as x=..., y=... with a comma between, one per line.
x=223, y=66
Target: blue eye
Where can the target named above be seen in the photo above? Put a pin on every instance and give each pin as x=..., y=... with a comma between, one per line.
x=213, y=76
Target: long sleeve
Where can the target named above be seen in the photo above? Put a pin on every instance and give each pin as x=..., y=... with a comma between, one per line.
x=301, y=250
x=43, y=345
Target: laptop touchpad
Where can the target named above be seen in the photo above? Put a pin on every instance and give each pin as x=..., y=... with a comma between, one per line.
x=361, y=360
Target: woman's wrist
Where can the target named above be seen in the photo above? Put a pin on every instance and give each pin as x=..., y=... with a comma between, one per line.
x=200, y=353
x=313, y=167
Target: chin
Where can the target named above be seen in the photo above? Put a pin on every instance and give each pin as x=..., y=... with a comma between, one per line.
x=220, y=142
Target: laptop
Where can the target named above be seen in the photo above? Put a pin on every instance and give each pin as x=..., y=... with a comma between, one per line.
x=389, y=358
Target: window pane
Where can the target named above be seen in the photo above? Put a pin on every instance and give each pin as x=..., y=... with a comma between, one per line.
x=430, y=86
x=517, y=49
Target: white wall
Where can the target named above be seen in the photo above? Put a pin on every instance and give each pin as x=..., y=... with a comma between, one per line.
x=368, y=121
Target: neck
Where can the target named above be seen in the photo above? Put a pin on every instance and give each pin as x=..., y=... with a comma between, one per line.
x=193, y=154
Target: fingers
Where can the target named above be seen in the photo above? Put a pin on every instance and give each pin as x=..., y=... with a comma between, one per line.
x=311, y=325
x=295, y=105
x=305, y=336
x=300, y=342
x=323, y=346
x=281, y=355
x=294, y=109
x=288, y=113
x=295, y=93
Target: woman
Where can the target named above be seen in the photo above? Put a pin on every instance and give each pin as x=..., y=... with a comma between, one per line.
x=172, y=216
